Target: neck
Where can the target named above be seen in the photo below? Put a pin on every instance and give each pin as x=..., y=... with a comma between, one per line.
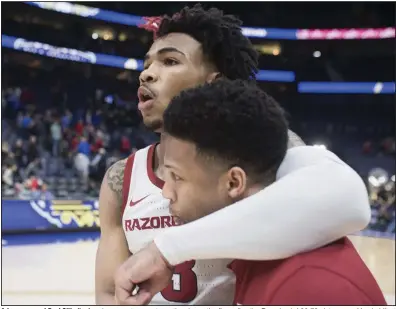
x=159, y=157
x=253, y=190
x=256, y=187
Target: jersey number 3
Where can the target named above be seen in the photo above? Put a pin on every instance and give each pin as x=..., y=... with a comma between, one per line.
x=184, y=286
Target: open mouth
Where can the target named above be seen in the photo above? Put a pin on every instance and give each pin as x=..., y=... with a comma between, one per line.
x=145, y=94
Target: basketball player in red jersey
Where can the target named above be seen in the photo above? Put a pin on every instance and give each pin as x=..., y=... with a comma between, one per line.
x=192, y=48
x=213, y=160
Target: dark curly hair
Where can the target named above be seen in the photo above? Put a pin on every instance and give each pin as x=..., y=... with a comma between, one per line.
x=220, y=36
x=233, y=121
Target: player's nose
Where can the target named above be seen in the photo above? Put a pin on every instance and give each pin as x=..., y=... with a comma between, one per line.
x=148, y=76
x=168, y=192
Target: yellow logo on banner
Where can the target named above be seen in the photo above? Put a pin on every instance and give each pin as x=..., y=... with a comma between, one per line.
x=84, y=215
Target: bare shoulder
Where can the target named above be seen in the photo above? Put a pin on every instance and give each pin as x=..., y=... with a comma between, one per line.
x=110, y=197
x=294, y=140
x=115, y=176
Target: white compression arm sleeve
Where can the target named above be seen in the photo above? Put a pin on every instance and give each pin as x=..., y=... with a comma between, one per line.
x=316, y=199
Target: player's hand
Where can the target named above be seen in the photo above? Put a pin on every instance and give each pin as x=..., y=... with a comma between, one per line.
x=146, y=269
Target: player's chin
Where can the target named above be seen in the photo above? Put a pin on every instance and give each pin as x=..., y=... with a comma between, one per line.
x=178, y=220
x=153, y=123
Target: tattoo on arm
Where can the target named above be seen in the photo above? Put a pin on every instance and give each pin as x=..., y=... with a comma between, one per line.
x=115, y=178
x=294, y=140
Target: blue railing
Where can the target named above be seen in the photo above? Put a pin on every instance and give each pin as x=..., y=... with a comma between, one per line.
x=47, y=50
x=70, y=54
x=347, y=87
x=267, y=33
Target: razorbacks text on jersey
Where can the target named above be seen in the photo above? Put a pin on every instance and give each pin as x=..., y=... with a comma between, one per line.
x=145, y=214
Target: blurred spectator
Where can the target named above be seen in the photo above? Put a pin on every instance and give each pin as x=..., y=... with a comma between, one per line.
x=98, y=95
x=8, y=175
x=19, y=154
x=74, y=142
x=47, y=122
x=40, y=129
x=12, y=99
x=33, y=159
x=33, y=183
x=56, y=135
x=88, y=117
x=96, y=118
x=32, y=150
x=81, y=160
x=8, y=166
x=113, y=158
x=25, y=122
x=98, y=144
x=79, y=128
x=105, y=137
x=97, y=168
x=67, y=119
x=98, y=159
x=5, y=151
x=45, y=194
x=27, y=97
x=125, y=145
x=84, y=147
x=383, y=208
x=90, y=133
x=30, y=188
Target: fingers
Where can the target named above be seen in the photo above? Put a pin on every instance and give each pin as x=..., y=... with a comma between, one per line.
x=121, y=294
x=123, y=286
x=124, y=289
x=145, y=269
x=141, y=298
x=144, y=298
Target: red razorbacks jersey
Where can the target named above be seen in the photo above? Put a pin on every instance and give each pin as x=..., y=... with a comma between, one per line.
x=331, y=275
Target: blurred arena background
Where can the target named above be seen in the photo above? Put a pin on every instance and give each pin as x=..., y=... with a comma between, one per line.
x=69, y=81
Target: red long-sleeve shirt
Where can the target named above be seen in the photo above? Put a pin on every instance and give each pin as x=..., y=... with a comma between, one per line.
x=331, y=275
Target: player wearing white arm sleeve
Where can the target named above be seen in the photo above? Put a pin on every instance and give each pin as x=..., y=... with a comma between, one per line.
x=316, y=199
x=192, y=48
x=207, y=171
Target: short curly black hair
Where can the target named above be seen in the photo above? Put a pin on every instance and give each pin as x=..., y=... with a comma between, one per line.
x=220, y=35
x=233, y=121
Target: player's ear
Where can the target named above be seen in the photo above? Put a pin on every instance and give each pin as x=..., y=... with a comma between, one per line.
x=236, y=185
x=213, y=76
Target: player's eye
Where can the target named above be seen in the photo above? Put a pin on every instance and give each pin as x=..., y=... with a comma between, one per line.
x=170, y=61
x=175, y=177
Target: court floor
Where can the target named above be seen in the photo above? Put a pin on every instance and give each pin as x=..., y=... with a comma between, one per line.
x=63, y=274
x=379, y=256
